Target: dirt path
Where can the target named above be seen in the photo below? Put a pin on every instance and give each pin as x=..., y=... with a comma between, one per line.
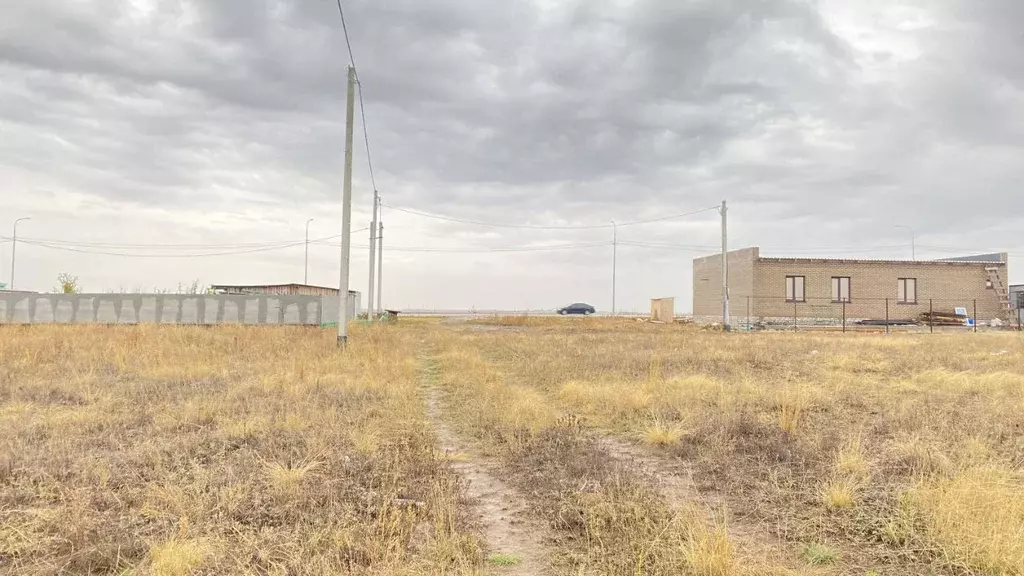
x=511, y=533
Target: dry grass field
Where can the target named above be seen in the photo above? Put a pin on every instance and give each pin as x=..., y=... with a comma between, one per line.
x=184, y=450
x=628, y=448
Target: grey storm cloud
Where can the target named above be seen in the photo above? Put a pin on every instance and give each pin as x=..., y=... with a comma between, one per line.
x=462, y=92
x=817, y=115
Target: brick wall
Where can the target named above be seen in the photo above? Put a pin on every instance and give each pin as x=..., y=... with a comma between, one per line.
x=949, y=284
x=707, y=283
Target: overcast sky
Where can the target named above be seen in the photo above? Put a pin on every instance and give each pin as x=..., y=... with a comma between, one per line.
x=220, y=124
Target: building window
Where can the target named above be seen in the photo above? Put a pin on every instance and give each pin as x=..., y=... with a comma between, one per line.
x=795, y=289
x=906, y=291
x=840, y=288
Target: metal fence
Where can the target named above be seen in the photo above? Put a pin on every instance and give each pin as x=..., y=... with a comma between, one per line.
x=870, y=314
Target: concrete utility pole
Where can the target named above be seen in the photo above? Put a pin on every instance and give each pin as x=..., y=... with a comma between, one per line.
x=305, y=266
x=615, y=254
x=370, y=309
x=380, y=269
x=913, y=241
x=725, y=267
x=346, y=210
x=14, y=246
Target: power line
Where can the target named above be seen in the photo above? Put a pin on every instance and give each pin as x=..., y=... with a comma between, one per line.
x=320, y=241
x=117, y=246
x=457, y=250
x=680, y=247
x=359, y=88
x=366, y=135
x=659, y=244
x=540, y=227
x=84, y=248
x=140, y=255
x=72, y=247
x=344, y=27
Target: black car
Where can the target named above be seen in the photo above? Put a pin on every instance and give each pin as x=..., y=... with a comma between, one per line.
x=577, y=308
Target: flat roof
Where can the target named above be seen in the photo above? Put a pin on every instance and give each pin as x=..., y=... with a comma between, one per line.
x=297, y=284
x=272, y=285
x=877, y=261
x=993, y=258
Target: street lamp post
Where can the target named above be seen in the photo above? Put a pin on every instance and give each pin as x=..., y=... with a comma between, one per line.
x=913, y=241
x=615, y=250
x=305, y=266
x=14, y=246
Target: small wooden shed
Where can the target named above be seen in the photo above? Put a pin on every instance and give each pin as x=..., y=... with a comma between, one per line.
x=663, y=310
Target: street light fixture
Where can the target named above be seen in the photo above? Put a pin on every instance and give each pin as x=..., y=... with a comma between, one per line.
x=14, y=246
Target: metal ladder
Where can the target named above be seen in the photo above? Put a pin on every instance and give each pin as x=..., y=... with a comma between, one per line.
x=1002, y=290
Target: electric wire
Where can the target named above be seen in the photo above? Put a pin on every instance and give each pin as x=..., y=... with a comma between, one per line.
x=325, y=241
x=547, y=227
x=359, y=90
x=118, y=246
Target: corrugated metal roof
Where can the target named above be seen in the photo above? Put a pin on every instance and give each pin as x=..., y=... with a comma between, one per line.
x=993, y=258
x=873, y=261
x=276, y=287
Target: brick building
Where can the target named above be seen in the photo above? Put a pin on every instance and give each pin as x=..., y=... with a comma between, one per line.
x=830, y=288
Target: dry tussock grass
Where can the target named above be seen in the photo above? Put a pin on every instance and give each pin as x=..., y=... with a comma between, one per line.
x=176, y=450
x=905, y=451
x=184, y=450
x=614, y=517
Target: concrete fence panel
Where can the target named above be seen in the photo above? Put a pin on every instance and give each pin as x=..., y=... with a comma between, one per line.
x=26, y=308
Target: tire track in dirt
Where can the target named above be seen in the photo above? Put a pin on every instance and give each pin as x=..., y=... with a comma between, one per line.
x=501, y=511
x=674, y=481
x=754, y=540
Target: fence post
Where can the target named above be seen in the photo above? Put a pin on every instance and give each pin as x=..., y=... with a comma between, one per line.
x=931, y=317
x=749, y=328
x=975, y=314
x=886, y=315
x=844, y=316
x=794, y=316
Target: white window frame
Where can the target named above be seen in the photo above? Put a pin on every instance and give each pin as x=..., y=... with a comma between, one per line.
x=901, y=290
x=838, y=295
x=796, y=288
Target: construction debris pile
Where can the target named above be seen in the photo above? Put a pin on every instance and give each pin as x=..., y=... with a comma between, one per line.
x=942, y=319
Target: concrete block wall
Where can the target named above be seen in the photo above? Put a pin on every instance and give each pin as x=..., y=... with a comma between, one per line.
x=330, y=308
x=28, y=308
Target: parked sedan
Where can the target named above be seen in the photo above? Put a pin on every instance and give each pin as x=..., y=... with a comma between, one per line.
x=578, y=308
